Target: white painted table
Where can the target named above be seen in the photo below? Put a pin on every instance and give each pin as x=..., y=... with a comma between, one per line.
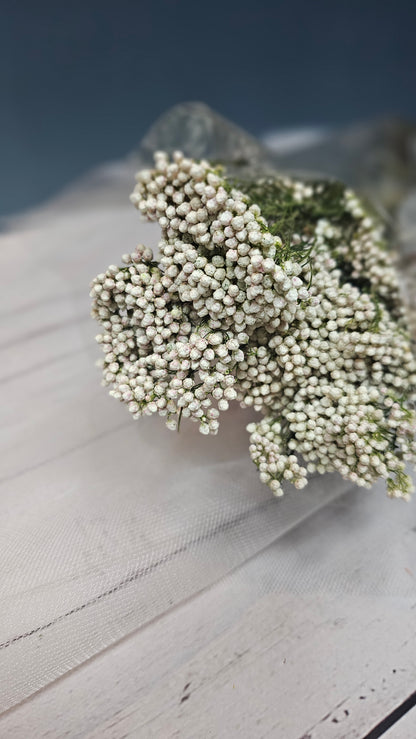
x=304, y=623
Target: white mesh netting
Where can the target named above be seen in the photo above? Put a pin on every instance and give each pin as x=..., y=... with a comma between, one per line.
x=106, y=523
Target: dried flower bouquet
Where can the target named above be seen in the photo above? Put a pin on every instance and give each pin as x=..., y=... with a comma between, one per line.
x=279, y=294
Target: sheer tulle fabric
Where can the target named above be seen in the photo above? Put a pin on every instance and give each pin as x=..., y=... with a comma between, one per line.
x=107, y=523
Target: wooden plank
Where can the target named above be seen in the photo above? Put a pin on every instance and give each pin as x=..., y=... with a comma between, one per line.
x=274, y=650
x=405, y=728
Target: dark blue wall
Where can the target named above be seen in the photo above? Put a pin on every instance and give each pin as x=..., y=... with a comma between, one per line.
x=81, y=81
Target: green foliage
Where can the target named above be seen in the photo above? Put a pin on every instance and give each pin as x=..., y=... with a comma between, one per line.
x=286, y=216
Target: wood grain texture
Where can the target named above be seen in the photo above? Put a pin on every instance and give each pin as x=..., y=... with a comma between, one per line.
x=403, y=729
x=255, y=655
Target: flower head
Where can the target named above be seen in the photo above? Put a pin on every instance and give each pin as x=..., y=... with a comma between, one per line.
x=276, y=293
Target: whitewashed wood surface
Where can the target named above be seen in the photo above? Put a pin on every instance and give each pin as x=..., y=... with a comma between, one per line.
x=312, y=636
x=279, y=664
x=404, y=729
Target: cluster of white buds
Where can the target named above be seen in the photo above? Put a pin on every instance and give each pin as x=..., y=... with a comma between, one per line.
x=276, y=293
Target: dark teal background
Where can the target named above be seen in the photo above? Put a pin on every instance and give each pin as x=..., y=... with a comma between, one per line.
x=81, y=81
